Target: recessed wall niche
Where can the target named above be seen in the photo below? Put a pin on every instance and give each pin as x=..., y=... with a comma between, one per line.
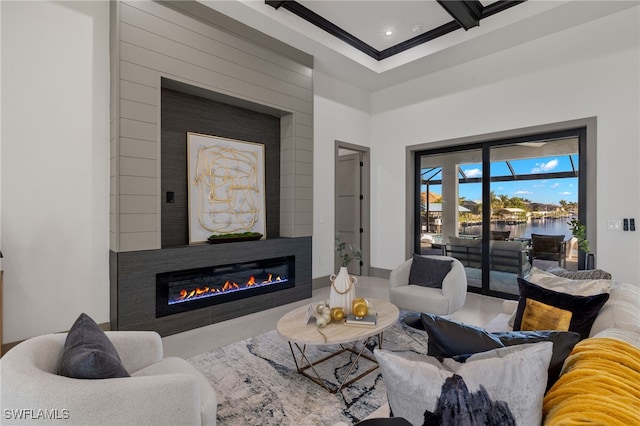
x=183, y=112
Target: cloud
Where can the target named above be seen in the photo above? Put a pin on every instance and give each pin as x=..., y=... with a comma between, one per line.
x=555, y=185
x=545, y=167
x=523, y=192
x=564, y=193
x=472, y=173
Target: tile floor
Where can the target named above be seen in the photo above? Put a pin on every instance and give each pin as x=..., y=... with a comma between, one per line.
x=477, y=310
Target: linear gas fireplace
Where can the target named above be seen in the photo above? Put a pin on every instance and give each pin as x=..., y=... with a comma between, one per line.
x=185, y=290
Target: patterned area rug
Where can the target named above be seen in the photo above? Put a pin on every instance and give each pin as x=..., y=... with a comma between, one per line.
x=257, y=383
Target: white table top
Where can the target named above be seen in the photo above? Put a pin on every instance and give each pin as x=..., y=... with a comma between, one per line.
x=292, y=326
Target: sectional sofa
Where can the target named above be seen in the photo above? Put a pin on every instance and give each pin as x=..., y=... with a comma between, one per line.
x=604, y=366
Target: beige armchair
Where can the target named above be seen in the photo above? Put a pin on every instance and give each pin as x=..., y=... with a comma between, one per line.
x=439, y=301
x=160, y=391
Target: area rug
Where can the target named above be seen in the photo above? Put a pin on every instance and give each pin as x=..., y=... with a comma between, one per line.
x=257, y=383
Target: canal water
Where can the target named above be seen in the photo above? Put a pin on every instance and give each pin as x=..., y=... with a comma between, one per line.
x=524, y=230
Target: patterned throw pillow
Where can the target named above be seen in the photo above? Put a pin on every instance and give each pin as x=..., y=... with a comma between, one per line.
x=592, y=274
x=578, y=287
x=500, y=387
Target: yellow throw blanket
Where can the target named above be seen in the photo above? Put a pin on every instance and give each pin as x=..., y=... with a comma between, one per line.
x=599, y=385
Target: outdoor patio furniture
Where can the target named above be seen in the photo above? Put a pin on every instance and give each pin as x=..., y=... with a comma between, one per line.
x=548, y=247
x=500, y=235
x=504, y=256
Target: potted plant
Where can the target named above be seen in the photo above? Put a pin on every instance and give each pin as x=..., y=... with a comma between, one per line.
x=347, y=252
x=579, y=231
x=343, y=288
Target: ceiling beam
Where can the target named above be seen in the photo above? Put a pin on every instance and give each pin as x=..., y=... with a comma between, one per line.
x=322, y=23
x=467, y=13
x=274, y=4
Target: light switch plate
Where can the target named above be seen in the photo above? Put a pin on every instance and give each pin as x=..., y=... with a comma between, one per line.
x=613, y=225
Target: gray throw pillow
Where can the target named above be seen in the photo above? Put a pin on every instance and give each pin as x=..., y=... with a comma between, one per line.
x=429, y=271
x=89, y=354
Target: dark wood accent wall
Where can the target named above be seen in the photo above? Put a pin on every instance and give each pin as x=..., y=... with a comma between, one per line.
x=182, y=113
x=136, y=282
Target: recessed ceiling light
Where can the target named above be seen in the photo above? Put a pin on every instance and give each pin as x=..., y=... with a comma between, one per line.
x=388, y=33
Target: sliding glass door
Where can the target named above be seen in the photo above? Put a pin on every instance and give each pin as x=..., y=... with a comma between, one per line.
x=482, y=203
x=450, y=219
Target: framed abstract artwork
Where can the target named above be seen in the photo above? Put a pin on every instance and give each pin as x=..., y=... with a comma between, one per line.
x=226, y=187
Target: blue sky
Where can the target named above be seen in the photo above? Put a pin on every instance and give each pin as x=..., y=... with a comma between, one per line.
x=548, y=191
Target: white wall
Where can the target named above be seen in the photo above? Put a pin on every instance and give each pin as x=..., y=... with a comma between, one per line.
x=340, y=114
x=55, y=161
x=55, y=165
x=591, y=70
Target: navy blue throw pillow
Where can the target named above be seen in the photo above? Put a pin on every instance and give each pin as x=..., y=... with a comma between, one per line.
x=542, y=309
x=451, y=339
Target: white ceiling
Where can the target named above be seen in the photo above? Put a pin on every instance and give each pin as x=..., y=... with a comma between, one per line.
x=368, y=19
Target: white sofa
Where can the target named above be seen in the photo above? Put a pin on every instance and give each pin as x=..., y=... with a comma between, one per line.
x=618, y=319
x=160, y=391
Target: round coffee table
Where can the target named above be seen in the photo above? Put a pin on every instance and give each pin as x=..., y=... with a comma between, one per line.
x=349, y=338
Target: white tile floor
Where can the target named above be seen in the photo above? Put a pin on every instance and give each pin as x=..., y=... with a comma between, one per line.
x=477, y=310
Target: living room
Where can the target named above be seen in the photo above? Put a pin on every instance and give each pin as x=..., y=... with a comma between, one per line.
x=56, y=132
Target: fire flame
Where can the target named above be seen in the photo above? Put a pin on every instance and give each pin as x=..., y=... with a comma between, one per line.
x=228, y=285
x=186, y=294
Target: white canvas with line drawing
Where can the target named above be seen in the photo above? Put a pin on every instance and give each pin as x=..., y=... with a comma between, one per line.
x=226, y=186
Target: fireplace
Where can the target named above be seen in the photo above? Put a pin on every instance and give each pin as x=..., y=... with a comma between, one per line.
x=149, y=230
x=185, y=290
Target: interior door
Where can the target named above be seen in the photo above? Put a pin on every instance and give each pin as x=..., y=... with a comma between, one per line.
x=348, y=204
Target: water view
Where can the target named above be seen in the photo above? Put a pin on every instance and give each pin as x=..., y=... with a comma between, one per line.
x=557, y=226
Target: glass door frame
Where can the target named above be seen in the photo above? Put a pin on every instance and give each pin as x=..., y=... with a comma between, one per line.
x=583, y=165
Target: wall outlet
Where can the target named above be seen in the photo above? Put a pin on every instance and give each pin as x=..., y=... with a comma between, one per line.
x=613, y=225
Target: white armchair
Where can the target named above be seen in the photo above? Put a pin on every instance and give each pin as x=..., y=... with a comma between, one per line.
x=439, y=301
x=160, y=391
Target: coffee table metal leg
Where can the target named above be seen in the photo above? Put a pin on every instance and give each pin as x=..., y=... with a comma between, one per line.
x=305, y=363
x=301, y=367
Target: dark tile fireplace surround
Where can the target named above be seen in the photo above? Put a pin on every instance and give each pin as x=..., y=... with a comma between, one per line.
x=136, y=277
x=134, y=274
